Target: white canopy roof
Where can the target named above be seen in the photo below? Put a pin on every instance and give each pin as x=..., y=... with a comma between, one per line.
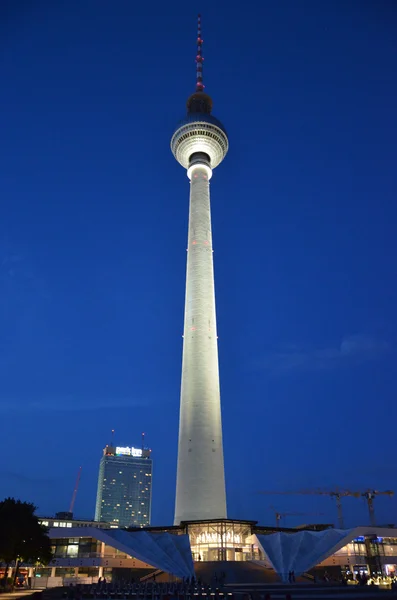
x=165, y=551
x=301, y=551
x=296, y=551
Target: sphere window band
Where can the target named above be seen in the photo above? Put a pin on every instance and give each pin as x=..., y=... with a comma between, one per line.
x=193, y=138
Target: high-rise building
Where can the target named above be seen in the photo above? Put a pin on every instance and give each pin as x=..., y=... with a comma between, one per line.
x=200, y=144
x=124, y=493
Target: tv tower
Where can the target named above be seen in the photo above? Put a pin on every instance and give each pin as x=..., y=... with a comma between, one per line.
x=200, y=144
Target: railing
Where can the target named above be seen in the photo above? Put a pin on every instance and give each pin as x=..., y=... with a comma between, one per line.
x=92, y=555
x=151, y=575
x=40, y=583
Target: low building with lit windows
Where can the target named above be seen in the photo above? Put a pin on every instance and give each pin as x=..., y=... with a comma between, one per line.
x=84, y=555
x=85, y=551
x=367, y=553
x=61, y=520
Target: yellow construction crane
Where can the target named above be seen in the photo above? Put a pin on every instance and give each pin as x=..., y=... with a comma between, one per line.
x=337, y=494
x=369, y=495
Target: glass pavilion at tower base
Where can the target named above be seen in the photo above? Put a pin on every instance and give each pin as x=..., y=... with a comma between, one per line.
x=218, y=539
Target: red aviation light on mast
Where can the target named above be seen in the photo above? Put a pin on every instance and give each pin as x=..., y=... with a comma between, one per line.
x=199, y=101
x=199, y=58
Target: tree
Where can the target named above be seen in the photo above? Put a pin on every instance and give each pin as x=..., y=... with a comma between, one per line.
x=22, y=538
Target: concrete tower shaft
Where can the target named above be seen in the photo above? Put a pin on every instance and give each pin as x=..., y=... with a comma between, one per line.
x=200, y=491
x=200, y=144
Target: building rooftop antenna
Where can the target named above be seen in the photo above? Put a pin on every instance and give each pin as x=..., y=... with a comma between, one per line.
x=112, y=438
x=199, y=58
x=143, y=441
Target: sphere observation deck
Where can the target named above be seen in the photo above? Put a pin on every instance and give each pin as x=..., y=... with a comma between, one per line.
x=199, y=131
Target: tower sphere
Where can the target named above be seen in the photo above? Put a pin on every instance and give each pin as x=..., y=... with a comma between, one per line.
x=200, y=137
x=199, y=132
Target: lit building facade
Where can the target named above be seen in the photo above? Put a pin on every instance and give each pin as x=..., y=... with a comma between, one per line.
x=124, y=493
x=54, y=522
x=221, y=540
x=97, y=551
x=366, y=554
x=351, y=554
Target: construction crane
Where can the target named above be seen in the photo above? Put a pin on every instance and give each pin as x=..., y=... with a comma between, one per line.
x=369, y=495
x=280, y=515
x=76, y=487
x=337, y=494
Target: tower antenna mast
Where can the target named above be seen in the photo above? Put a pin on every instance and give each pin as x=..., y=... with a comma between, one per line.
x=199, y=58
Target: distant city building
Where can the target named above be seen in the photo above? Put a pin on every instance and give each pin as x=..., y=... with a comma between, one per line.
x=62, y=522
x=124, y=493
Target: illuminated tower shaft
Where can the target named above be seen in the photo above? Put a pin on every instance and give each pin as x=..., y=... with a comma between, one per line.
x=200, y=491
x=199, y=144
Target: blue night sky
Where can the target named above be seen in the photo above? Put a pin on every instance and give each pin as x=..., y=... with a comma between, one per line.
x=93, y=236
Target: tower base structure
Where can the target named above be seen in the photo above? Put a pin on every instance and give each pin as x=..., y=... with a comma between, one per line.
x=218, y=539
x=223, y=551
x=227, y=551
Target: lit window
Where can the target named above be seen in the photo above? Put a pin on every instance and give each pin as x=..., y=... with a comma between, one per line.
x=55, y=524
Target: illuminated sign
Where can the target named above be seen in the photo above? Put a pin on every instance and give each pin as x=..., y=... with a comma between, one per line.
x=216, y=538
x=126, y=451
